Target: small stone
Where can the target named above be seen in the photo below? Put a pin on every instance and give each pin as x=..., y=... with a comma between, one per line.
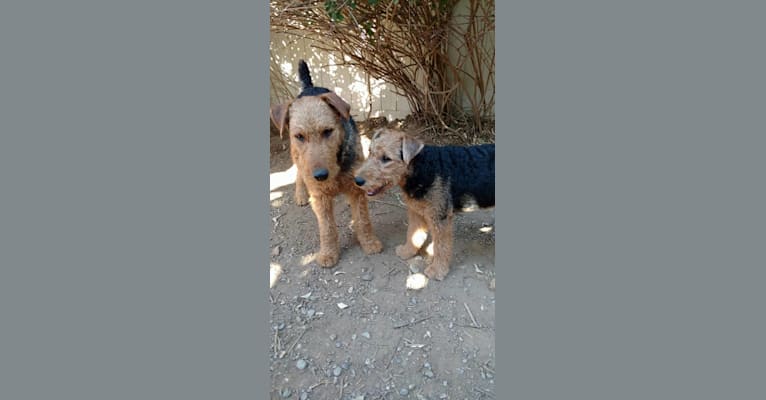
x=427, y=365
x=367, y=277
x=338, y=344
x=333, y=337
x=337, y=371
x=443, y=396
x=428, y=373
x=301, y=364
x=492, y=284
x=281, y=326
x=275, y=251
x=411, y=387
x=304, y=396
x=403, y=392
x=345, y=365
x=286, y=392
x=366, y=335
x=310, y=313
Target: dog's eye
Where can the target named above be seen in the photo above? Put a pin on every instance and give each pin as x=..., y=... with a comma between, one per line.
x=326, y=133
x=300, y=137
x=385, y=158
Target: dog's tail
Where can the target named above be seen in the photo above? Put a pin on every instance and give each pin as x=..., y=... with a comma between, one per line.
x=304, y=75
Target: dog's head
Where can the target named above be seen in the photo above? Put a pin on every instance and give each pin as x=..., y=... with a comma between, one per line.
x=391, y=152
x=315, y=126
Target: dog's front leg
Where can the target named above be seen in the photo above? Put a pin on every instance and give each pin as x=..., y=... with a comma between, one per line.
x=329, y=248
x=416, y=234
x=360, y=214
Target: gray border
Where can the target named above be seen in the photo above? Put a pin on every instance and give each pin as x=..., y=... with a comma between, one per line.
x=634, y=141
x=133, y=184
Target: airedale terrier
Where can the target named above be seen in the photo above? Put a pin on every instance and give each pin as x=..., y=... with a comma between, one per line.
x=325, y=146
x=436, y=181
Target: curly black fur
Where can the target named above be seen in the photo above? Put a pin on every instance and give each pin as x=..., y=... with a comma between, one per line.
x=468, y=172
x=346, y=151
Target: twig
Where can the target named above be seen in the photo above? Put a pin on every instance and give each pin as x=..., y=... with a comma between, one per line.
x=340, y=396
x=286, y=352
x=393, y=354
x=315, y=385
x=475, y=324
x=484, y=392
x=412, y=323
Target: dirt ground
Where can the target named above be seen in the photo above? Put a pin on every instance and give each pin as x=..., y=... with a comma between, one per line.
x=355, y=331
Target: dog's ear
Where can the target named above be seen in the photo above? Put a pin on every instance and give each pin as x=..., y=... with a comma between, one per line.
x=279, y=114
x=410, y=148
x=334, y=101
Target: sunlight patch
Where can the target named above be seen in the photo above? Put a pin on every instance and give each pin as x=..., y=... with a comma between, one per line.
x=284, y=178
x=365, y=146
x=417, y=281
x=419, y=237
x=305, y=260
x=274, y=271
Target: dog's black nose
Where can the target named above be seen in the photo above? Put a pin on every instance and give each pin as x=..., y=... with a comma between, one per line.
x=359, y=180
x=321, y=174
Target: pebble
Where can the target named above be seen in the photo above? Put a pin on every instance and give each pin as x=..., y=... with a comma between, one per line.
x=443, y=396
x=366, y=335
x=275, y=251
x=310, y=313
x=367, y=277
x=286, y=392
x=301, y=364
x=428, y=373
x=337, y=371
x=338, y=344
x=304, y=396
x=333, y=337
x=403, y=392
x=345, y=365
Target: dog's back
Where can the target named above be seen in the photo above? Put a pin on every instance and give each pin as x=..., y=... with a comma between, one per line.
x=468, y=170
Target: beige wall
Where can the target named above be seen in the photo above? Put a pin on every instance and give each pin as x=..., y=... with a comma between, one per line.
x=350, y=83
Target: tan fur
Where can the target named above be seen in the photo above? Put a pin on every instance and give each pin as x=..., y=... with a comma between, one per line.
x=310, y=117
x=422, y=214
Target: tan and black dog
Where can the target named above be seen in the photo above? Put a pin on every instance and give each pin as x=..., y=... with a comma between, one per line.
x=325, y=146
x=436, y=181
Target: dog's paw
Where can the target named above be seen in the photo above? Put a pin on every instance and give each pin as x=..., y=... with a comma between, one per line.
x=406, y=251
x=301, y=199
x=372, y=246
x=327, y=260
x=437, y=272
